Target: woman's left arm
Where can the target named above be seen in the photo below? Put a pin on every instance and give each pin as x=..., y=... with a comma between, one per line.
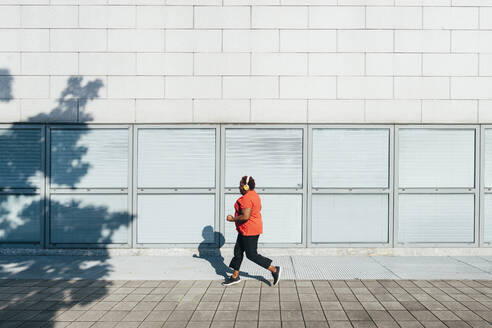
x=243, y=217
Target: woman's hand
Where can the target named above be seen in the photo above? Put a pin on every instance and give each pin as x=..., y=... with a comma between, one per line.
x=230, y=218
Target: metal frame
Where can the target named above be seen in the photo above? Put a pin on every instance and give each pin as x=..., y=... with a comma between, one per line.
x=30, y=191
x=277, y=191
x=93, y=191
x=475, y=190
x=483, y=189
x=163, y=191
x=370, y=191
x=220, y=191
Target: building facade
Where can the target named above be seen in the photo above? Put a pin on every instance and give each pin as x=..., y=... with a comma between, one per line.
x=128, y=123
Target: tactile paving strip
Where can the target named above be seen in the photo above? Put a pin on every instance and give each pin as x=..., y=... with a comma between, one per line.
x=431, y=267
x=339, y=267
x=478, y=262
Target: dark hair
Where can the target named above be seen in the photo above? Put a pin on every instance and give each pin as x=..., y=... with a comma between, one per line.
x=251, y=182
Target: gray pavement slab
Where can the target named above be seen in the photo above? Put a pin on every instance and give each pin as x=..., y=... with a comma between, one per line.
x=215, y=268
x=205, y=303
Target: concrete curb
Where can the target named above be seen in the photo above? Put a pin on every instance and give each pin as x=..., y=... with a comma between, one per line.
x=354, y=251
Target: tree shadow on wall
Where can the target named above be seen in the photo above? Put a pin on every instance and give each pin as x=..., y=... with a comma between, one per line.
x=26, y=298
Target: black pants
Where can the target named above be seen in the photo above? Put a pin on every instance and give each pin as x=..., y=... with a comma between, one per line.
x=248, y=244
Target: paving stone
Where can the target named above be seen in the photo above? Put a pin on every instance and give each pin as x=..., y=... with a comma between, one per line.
x=269, y=315
x=65, y=316
x=479, y=324
x=311, y=305
x=433, y=324
x=335, y=315
x=81, y=324
x=166, y=306
x=293, y=324
x=456, y=324
x=179, y=315
x=225, y=315
x=339, y=324
x=291, y=315
x=380, y=315
x=245, y=324
x=198, y=324
x=247, y=315
x=249, y=305
x=357, y=315
x=136, y=316
x=290, y=306
x=124, y=306
x=410, y=324
x=113, y=315
x=222, y=324
x=203, y=315
x=401, y=315
x=269, y=324
x=316, y=324
x=175, y=324
x=387, y=324
x=424, y=316
x=228, y=306
x=105, y=324
x=269, y=305
x=207, y=306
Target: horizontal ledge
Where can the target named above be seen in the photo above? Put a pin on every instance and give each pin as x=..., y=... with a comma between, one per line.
x=88, y=191
x=351, y=191
x=437, y=191
x=176, y=191
x=268, y=191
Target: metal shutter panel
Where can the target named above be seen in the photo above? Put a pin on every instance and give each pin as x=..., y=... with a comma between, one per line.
x=183, y=158
x=436, y=158
x=20, y=153
x=436, y=218
x=89, y=158
x=89, y=219
x=176, y=219
x=281, y=215
x=20, y=218
x=487, y=169
x=273, y=157
x=350, y=158
x=487, y=226
x=340, y=218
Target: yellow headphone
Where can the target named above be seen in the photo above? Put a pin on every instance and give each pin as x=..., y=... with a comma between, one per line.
x=246, y=187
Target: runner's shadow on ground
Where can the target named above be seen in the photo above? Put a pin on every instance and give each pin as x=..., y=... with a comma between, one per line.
x=212, y=253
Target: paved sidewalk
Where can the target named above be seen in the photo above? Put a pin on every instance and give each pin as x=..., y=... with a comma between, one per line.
x=252, y=303
x=215, y=268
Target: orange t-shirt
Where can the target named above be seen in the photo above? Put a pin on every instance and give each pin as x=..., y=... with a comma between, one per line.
x=254, y=226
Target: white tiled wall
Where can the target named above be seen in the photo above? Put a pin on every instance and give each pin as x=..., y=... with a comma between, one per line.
x=302, y=61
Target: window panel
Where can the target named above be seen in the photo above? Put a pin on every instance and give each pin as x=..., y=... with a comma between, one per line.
x=20, y=153
x=20, y=218
x=173, y=218
x=89, y=218
x=341, y=218
x=350, y=158
x=436, y=218
x=273, y=157
x=487, y=169
x=436, y=158
x=176, y=158
x=487, y=215
x=89, y=158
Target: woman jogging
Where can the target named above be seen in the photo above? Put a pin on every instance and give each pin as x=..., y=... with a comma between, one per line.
x=249, y=227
